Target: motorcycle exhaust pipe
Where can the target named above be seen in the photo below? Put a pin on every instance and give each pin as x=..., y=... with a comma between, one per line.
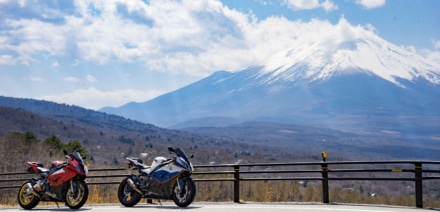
x=29, y=185
x=132, y=185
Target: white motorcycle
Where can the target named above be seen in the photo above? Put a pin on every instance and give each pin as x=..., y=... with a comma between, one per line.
x=166, y=178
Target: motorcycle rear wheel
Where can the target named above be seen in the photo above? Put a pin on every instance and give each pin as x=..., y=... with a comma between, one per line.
x=26, y=199
x=75, y=200
x=126, y=195
x=185, y=197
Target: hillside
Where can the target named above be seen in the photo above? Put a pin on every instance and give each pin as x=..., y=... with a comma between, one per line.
x=109, y=138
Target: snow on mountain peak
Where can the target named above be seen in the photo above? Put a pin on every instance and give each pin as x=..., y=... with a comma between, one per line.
x=338, y=49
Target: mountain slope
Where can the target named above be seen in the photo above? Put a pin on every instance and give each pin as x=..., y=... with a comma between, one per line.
x=360, y=83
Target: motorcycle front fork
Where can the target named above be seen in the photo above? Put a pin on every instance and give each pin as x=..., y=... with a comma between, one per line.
x=180, y=185
x=73, y=187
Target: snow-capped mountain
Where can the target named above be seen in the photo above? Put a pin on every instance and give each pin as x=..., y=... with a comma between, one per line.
x=374, y=56
x=361, y=82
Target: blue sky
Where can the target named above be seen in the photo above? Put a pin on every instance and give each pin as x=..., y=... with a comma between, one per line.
x=96, y=53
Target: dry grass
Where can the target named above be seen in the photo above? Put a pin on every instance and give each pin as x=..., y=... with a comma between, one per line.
x=99, y=194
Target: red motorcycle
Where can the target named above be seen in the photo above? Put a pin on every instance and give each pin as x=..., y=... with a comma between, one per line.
x=62, y=182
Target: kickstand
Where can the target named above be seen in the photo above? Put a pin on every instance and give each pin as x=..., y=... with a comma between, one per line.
x=57, y=204
x=159, y=202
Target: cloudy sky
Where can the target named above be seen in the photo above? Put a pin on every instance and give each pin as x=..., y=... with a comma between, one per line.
x=96, y=53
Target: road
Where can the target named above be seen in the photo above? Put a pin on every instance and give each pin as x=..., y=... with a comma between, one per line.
x=231, y=207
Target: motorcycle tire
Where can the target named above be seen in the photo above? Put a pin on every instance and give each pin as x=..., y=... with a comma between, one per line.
x=78, y=199
x=126, y=195
x=26, y=199
x=186, y=197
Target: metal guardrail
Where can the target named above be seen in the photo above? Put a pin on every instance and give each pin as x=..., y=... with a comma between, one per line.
x=322, y=171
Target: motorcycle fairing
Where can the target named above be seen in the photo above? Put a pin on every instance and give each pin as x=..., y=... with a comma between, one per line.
x=53, y=193
x=163, y=176
x=61, y=176
x=182, y=163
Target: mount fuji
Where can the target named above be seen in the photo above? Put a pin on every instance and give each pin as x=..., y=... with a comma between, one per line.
x=358, y=83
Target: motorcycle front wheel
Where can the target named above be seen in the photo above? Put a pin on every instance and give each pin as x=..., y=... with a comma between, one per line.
x=128, y=196
x=186, y=196
x=77, y=197
x=27, y=199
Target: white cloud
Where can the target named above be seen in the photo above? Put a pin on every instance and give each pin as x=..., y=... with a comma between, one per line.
x=327, y=5
x=369, y=4
x=71, y=79
x=410, y=49
x=22, y=3
x=264, y=2
x=7, y=59
x=33, y=40
x=323, y=37
x=91, y=78
x=36, y=79
x=434, y=56
x=437, y=44
x=95, y=99
x=190, y=37
x=302, y=4
x=75, y=63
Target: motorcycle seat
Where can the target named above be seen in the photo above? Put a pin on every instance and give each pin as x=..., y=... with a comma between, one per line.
x=40, y=167
x=143, y=166
x=146, y=170
x=139, y=163
x=43, y=170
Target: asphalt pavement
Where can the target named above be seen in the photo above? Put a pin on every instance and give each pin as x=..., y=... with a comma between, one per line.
x=231, y=207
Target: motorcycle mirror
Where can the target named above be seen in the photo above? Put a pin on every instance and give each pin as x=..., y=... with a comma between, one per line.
x=170, y=149
x=191, y=156
x=65, y=152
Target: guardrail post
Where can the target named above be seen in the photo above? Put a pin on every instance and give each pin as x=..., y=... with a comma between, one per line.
x=419, y=187
x=236, y=183
x=325, y=198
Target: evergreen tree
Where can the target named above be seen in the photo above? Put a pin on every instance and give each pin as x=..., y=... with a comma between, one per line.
x=75, y=146
x=53, y=142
